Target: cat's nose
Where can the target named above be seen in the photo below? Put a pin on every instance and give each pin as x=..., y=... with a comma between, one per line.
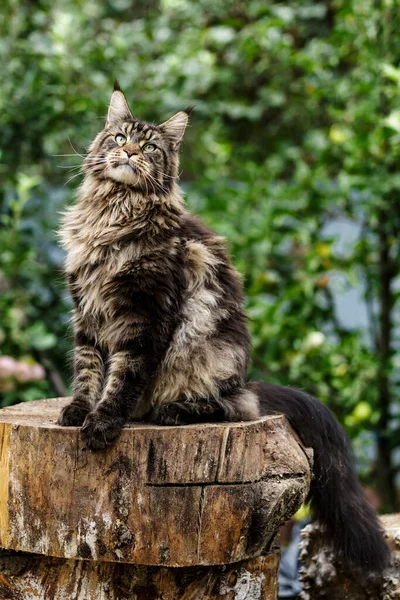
x=130, y=151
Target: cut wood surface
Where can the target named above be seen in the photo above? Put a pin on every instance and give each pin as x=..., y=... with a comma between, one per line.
x=174, y=496
x=27, y=577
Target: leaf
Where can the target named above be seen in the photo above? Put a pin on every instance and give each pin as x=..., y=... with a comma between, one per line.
x=39, y=338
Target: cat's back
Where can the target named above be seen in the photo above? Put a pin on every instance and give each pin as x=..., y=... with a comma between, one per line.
x=208, y=262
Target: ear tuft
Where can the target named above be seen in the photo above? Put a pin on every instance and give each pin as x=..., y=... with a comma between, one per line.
x=189, y=109
x=175, y=127
x=117, y=87
x=118, y=109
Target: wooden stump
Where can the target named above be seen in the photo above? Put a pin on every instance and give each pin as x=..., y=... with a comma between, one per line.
x=192, y=496
x=323, y=577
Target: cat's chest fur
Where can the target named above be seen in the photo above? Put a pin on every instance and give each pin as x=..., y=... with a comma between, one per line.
x=106, y=279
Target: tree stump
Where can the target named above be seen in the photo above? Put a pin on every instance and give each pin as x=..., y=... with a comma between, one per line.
x=324, y=577
x=186, y=512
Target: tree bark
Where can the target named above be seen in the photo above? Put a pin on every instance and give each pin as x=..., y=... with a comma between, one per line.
x=324, y=578
x=27, y=577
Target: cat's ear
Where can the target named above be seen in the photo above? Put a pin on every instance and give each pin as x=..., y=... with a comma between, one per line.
x=175, y=127
x=118, y=109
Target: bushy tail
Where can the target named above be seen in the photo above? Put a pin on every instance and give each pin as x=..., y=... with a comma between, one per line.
x=337, y=499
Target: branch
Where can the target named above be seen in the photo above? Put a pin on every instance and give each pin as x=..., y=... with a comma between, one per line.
x=54, y=375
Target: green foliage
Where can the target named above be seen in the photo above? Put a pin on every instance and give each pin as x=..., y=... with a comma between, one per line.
x=297, y=123
x=33, y=320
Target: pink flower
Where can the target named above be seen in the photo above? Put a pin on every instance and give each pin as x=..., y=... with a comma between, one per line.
x=37, y=372
x=22, y=372
x=7, y=366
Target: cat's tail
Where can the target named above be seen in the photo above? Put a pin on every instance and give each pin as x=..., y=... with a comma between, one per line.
x=337, y=499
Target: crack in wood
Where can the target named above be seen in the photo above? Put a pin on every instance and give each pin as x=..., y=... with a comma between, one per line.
x=205, y=484
x=222, y=453
x=199, y=521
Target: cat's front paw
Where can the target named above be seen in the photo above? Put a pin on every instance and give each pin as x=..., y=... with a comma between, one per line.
x=73, y=415
x=99, y=431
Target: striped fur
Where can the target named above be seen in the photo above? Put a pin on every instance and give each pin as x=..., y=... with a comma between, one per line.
x=160, y=332
x=158, y=315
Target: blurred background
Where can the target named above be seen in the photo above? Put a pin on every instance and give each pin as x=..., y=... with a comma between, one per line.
x=292, y=153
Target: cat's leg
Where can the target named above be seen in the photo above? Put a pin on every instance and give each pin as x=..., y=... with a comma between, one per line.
x=185, y=412
x=88, y=378
x=126, y=377
x=234, y=403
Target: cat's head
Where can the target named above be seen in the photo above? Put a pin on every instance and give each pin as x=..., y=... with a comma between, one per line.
x=138, y=154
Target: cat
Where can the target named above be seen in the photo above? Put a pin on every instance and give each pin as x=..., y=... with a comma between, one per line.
x=159, y=326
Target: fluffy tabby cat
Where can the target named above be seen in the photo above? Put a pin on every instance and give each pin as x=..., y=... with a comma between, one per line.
x=160, y=331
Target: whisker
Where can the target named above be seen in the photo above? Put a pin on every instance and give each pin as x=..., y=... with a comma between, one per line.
x=95, y=159
x=80, y=166
x=151, y=183
x=164, y=174
x=73, y=177
x=68, y=166
x=69, y=154
x=76, y=152
x=77, y=175
x=160, y=187
x=145, y=182
x=143, y=174
x=157, y=183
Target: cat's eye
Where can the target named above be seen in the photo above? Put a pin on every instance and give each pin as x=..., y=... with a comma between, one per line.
x=120, y=139
x=149, y=148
